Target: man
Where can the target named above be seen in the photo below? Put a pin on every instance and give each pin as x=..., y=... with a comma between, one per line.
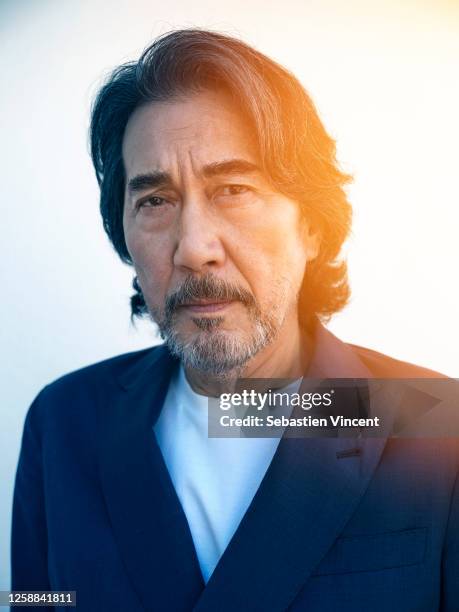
x=220, y=186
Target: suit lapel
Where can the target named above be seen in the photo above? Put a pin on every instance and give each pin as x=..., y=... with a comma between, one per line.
x=146, y=516
x=307, y=496
x=310, y=491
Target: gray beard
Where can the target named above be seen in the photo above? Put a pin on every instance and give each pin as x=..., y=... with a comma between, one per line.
x=212, y=350
x=216, y=352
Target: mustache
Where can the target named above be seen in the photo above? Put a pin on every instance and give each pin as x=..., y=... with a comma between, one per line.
x=207, y=287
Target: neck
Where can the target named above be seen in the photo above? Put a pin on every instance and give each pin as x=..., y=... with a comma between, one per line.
x=287, y=357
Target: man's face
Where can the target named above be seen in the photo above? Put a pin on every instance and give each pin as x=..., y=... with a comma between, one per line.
x=219, y=253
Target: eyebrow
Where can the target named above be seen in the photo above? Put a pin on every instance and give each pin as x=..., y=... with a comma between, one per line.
x=230, y=166
x=148, y=180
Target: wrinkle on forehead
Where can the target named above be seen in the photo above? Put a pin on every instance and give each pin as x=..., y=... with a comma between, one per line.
x=183, y=134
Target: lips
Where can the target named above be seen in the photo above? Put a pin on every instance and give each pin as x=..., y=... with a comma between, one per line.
x=206, y=306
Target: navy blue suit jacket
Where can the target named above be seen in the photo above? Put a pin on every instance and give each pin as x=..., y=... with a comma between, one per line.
x=328, y=530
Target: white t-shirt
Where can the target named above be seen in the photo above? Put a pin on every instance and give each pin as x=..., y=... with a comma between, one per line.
x=215, y=478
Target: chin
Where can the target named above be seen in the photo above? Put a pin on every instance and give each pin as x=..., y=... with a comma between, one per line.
x=213, y=351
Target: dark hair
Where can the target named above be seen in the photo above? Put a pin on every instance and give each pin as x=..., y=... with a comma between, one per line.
x=295, y=150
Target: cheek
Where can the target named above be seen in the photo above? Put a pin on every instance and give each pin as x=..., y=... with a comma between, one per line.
x=152, y=263
x=291, y=245
x=274, y=251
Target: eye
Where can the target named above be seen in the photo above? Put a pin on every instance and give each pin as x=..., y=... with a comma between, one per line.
x=151, y=202
x=232, y=190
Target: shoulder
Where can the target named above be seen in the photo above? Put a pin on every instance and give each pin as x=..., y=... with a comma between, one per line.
x=346, y=360
x=80, y=389
x=384, y=366
x=104, y=372
x=425, y=414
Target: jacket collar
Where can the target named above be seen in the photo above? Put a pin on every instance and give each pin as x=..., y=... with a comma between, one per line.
x=332, y=358
x=145, y=367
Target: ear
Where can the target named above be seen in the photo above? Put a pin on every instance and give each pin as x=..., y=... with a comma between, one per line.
x=312, y=240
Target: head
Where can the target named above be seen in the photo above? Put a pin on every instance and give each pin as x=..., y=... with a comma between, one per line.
x=219, y=184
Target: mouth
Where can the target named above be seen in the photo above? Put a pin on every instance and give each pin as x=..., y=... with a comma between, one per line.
x=206, y=306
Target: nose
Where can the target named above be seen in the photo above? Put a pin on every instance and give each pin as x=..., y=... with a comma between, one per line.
x=198, y=247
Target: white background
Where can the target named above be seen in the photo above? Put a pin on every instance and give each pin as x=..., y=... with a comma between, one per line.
x=385, y=80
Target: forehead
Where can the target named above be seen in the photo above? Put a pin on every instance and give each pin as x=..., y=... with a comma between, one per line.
x=198, y=129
